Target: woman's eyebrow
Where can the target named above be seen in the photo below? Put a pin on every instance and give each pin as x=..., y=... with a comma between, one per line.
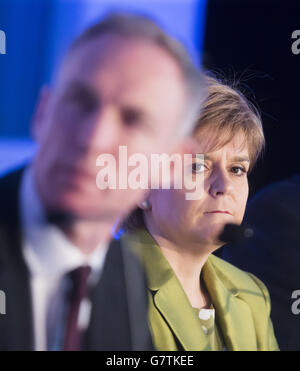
x=240, y=159
x=208, y=157
x=233, y=159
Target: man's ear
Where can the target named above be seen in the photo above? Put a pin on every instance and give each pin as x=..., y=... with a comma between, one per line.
x=38, y=120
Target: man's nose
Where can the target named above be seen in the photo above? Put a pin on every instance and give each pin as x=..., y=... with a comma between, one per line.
x=104, y=133
x=220, y=183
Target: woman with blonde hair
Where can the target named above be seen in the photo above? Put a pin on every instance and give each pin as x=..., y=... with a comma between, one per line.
x=197, y=300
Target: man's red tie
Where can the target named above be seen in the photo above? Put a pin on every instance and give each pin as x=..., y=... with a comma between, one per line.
x=79, y=292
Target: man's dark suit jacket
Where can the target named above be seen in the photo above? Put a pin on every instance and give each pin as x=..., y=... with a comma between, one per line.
x=273, y=253
x=119, y=300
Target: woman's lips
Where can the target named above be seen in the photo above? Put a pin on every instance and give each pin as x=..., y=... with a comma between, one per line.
x=218, y=212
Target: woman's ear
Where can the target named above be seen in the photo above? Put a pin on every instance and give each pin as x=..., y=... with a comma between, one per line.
x=38, y=120
x=145, y=205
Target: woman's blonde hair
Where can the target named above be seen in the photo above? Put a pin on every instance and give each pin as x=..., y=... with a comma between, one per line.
x=225, y=113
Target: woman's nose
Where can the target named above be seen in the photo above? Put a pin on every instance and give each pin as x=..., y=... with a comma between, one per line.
x=220, y=184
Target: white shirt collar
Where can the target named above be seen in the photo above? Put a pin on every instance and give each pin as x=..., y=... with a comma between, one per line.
x=46, y=249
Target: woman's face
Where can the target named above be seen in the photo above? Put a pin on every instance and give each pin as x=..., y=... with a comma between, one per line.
x=223, y=201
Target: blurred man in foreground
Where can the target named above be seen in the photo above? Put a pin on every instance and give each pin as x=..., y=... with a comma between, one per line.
x=123, y=82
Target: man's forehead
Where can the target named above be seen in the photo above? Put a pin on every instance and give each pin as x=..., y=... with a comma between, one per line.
x=109, y=50
x=130, y=67
x=123, y=66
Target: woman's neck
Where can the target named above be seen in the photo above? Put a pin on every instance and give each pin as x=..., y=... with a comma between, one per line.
x=187, y=263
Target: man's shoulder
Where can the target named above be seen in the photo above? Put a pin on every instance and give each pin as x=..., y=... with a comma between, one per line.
x=276, y=205
x=10, y=180
x=9, y=194
x=286, y=191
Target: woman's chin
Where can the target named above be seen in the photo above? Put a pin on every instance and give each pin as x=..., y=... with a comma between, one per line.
x=210, y=234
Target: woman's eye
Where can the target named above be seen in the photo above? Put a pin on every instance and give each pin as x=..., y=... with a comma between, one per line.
x=237, y=170
x=197, y=167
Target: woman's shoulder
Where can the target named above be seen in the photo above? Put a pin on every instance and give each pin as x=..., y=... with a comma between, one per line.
x=238, y=278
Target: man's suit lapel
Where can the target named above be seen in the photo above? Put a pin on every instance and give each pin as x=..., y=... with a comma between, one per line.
x=109, y=308
x=119, y=305
x=16, y=329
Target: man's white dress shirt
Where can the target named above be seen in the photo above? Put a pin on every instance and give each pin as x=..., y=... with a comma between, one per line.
x=50, y=256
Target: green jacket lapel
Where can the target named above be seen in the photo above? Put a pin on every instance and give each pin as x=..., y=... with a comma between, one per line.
x=169, y=297
x=173, y=304
x=231, y=312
